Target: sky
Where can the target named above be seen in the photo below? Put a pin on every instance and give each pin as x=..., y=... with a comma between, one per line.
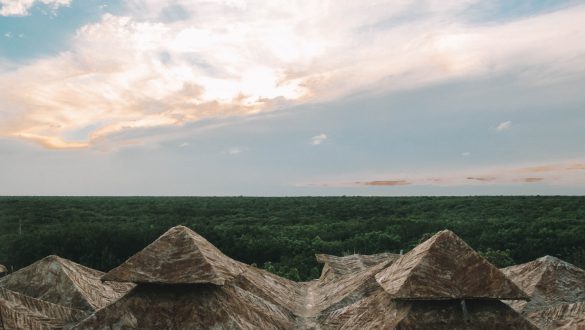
x=289, y=98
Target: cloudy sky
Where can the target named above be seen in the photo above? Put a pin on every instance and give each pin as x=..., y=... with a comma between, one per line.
x=271, y=97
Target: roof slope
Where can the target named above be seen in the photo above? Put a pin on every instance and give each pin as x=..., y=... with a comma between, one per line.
x=556, y=289
x=335, y=266
x=64, y=282
x=548, y=281
x=380, y=311
x=445, y=267
x=195, y=306
x=179, y=256
x=566, y=316
x=18, y=311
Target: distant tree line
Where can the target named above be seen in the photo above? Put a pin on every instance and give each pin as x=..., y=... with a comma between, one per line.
x=283, y=234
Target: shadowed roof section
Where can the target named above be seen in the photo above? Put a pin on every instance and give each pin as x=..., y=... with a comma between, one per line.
x=445, y=267
x=179, y=256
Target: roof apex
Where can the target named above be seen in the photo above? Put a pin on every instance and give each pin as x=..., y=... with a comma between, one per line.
x=179, y=256
x=445, y=267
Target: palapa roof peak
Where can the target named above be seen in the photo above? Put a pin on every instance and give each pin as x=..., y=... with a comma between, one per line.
x=179, y=256
x=64, y=282
x=549, y=281
x=445, y=267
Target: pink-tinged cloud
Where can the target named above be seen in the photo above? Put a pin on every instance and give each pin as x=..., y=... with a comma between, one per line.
x=576, y=166
x=385, y=183
x=482, y=178
x=530, y=180
x=140, y=72
x=566, y=173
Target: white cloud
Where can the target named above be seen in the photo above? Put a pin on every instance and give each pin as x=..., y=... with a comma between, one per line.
x=8, y=35
x=466, y=154
x=21, y=7
x=223, y=59
x=233, y=151
x=184, y=144
x=318, y=139
x=504, y=126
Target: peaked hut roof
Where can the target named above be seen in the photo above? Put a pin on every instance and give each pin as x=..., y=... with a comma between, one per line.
x=18, y=311
x=548, y=281
x=179, y=256
x=556, y=289
x=64, y=282
x=445, y=267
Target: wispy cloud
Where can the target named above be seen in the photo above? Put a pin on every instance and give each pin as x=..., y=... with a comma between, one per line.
x=318, y=139
x=385, y=183
x=221, y=59
x=504, y=126
x=21, y=7
x=566, y=173
x=233, y=151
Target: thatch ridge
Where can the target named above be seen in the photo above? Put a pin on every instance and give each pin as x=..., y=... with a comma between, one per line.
x=445, y=267
x=179, y=256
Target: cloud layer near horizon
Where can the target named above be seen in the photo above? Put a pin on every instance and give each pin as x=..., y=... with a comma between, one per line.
x=567, y=173
x=168, y=64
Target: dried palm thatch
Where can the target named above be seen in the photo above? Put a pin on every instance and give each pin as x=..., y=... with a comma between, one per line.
x=195, y=286
x=180, y=256
x=445, y=267
x=18, y=311
x=556, y=289
x=338, y=266
x=428, y=288
x=3, y=270
x=380, y=311
x=63, y=282
x=183, y=282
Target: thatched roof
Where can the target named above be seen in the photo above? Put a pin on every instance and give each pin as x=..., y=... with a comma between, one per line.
x=559, y=316
x=380, y=311
x=548, y=281
x=556, y=289
x=18, y=311
x=199, y=306
x=66, y=283
x=197, y=287
x=3, y=270
x=180, y=256
x=445, y=267
x=335, y=266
